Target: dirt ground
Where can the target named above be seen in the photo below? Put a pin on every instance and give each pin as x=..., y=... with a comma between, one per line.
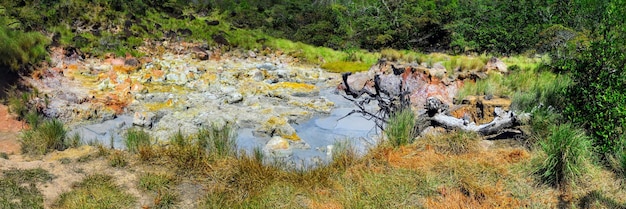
x=9, y=131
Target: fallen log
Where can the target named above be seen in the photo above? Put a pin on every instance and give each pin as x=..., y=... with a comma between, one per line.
x=437, y=113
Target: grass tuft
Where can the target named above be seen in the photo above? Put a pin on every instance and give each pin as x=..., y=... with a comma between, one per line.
x=401, y=128
x=41, y=139
x=219, y=141
x=568, y=150
x=136, y=140
x=96, y=191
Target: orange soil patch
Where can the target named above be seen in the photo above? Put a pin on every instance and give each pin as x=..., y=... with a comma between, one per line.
x=9, y=131
x=472, y=193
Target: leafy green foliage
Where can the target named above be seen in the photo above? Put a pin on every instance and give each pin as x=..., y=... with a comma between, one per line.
x=568, y=150
x=599, y=72
x=19, y=49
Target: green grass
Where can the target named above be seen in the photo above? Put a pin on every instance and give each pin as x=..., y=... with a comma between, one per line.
x=343, y=67
x=161, y=185
x=219, y=141
x=567, y=155
x=96, y=191
x=18, y=190
x=136, y=139
x=400, y=129
x=51, y=135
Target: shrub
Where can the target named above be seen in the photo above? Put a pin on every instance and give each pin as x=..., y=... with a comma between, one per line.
x=400, y=129
x=46, y=137
x=136, y=139
x=18, y=49
x=567, y=151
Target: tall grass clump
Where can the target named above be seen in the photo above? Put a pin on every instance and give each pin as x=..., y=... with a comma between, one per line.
x=567, y=152
x=136, y=139
x=186, y=152
x=219, y=141
x=50, y=135
x=400, y=129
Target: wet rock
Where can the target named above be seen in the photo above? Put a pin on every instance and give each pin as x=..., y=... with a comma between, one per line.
x=480, y=109
x=277, y=146
x=278, y=126
x=220, y=39
x=267, y=66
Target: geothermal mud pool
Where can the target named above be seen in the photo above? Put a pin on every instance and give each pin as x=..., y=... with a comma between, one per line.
x=288, y=110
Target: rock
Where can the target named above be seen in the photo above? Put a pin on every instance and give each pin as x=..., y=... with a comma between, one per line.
x=495, y=64
x=278, y=126
x=267, y=66
x=143, y=119
x=251, y=54
x=277, y=143
x=234, y=98
x=199, y=53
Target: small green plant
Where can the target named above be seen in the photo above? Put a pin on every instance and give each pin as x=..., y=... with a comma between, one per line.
x=136, y=139
x=46, y=137
x=155, y=182
x=400, y=129
x=567, y=150
x=96, y=191
x=187, y=153
x=219, y=141
x=74, y=141
x=4, y=155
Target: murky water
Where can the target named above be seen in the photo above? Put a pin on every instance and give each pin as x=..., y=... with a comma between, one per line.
x=321, y=133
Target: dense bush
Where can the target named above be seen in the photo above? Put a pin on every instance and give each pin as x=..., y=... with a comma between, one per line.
x=18, y=49
x=596, y=100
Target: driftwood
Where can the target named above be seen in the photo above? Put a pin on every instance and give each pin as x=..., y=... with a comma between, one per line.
x=391, y=99
x=502, y=124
